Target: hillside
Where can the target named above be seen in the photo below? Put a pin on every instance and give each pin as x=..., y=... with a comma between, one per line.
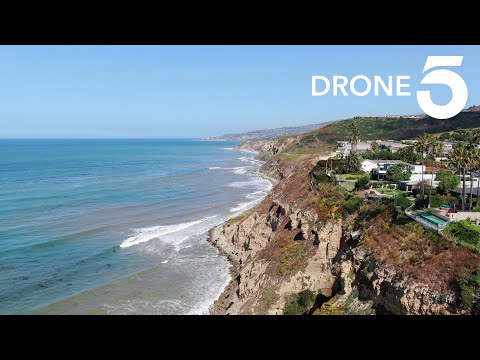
x=371, y=128
x=268, y=133
x=392, y=128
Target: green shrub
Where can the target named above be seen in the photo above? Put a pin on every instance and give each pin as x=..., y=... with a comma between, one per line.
x=353, y=204
x=477, y=209
x=439, y=200
x=470, y=285
x=299, y=303
x=402, y=201
x=291, y=308
x=306, y=298
x=465, y=233
x=362, y=183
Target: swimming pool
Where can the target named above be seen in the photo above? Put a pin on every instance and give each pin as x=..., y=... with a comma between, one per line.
x=433, y=219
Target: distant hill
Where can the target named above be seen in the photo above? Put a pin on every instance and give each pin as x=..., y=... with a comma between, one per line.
x=472, y=108
x=268, y=133
x=379, y=128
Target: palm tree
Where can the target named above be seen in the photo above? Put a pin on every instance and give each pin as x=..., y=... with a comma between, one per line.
x=472, y=139
x=422, y=145
x=354, y=161
x=435, y=148
x=355, y=135
x=374, y=146
x=477, y=166
x=460, y=159
x=474, y=163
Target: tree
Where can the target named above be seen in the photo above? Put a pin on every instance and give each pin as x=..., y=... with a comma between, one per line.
x=422, y=145
x=399, y=172
x=374, y=146
x=460, y=159
x=477, y=166
x=435, y=148
x=353, y=162
x=355, y=135
x=362, y=182
x=409, y=155
x=472, y=139
x=448, y=181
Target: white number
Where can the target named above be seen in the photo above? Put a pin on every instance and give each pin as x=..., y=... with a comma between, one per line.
x=445, y=77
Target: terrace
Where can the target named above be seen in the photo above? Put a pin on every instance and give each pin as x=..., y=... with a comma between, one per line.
x=429, y=219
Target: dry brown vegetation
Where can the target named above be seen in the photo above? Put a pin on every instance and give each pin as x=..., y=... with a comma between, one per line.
x=417, y=253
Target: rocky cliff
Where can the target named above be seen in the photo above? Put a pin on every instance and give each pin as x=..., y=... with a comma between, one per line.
x=301, y=239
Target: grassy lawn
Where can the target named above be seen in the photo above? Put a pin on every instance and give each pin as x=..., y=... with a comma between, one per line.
x=465, y=233
x=392, y=192
x=354, y=176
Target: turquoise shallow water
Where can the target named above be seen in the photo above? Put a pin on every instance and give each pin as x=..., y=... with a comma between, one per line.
x=117, y=226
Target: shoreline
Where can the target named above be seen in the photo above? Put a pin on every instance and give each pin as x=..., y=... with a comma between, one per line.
x=225, y=303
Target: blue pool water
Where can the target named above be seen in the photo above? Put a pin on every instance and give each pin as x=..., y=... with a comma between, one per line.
x=117, y=226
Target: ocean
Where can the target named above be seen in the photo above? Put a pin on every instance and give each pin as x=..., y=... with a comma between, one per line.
x=118, y=226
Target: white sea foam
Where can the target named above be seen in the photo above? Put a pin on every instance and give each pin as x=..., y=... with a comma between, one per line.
x=228, y=148
x=255, y=194
x=241, y=184
x=245, y=206
x=146, y=234
x=250, y=151
x=165, y=261
x=239, y=170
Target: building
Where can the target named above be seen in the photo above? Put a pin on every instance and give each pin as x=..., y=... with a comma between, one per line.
x=344, y=148
x=379, y=168
x=416, y=180
x=468, y=190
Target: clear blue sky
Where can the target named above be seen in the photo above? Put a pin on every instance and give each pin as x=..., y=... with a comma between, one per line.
x=195, y=91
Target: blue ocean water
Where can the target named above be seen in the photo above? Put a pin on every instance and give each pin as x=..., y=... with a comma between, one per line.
x=117, y=226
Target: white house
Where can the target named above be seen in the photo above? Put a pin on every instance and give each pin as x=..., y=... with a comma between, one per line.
x=418, y=169
x=368, y=165
x=379, y=168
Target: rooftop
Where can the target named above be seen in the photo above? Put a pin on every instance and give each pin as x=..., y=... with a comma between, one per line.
x=388, y=162
x=467, y=191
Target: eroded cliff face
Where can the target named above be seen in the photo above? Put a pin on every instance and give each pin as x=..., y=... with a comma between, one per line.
x=387, y=290
x=298, y=239
x=281, y=247
x=280, y=252
x=268, y=147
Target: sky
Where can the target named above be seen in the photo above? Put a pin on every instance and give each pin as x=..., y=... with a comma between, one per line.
x=199, y=91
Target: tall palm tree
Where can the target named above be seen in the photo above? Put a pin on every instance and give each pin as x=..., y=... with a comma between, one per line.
x=459, y=157
x=435, y=148
x=354, y=161
x=477, y=166
x=472, y=139
x=422, y=145
x=354, y=136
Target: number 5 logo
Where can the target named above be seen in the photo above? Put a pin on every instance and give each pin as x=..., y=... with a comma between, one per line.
x=445, y=77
